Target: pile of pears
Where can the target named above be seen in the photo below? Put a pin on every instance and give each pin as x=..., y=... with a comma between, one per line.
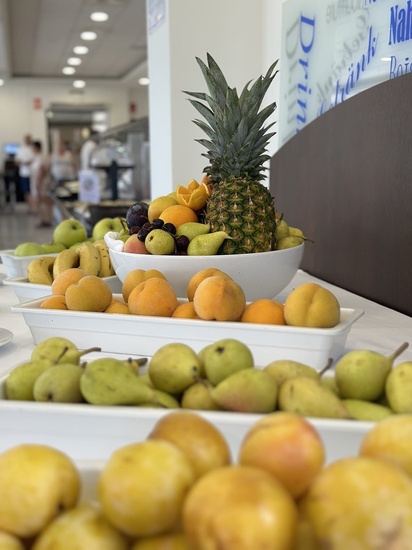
x=363, y=385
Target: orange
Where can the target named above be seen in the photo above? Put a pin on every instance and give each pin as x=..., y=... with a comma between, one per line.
x=264, y=311
x=178, y=214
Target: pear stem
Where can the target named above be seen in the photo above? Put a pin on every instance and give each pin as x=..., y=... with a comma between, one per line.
x=397, y=352
x=326, y=367
x=89, y=351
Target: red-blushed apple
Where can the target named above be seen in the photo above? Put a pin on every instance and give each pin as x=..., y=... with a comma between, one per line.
x=134, y=246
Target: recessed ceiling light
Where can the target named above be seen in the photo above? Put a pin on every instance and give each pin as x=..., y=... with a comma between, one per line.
x=79, y=83
x=144, y=81
x=88, y=35
x=68, y=70
x=74, y=61
x=1, y=82
x=80, y=50
x=99, y=16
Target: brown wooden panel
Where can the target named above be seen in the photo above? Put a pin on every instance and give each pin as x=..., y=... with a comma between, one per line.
x=346, y=180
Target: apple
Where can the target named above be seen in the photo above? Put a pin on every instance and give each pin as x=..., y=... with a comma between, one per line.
x=69, y=232
x=52, y=248
x=29, y=249
x=105, y=225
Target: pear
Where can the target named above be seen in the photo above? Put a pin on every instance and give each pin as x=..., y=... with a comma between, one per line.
x=20, y=382
x=282, y=229
x=160, y=242
x=192, y=229
x=247, y=391
x=225, y=357
x=174, y=367
x=330, y=383
x=134, y=364
x=59, y=350
x=206, y=245
x=361, y=374
x=163, y=401
x=398, y=389
x=284, y=369
x=198, y=397
x=109, y=381
x=365, y=410
x=84, y=526
x=288, y=242
x=307, y=397
x=60, y=384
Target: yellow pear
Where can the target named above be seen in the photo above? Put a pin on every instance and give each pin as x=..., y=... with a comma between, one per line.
x=37, y=483
x=10, y=542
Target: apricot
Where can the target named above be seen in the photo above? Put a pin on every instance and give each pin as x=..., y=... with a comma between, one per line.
x=198, y=278
x=91, y=293
x=56, y=301
x=288, y=447
x=264, y=311
x=185, y=311
x=218, y=298
x=117, y=306
x=137, y=276
x=311, y=305
x=67, y=278
x=133, y=246
x=155, y=297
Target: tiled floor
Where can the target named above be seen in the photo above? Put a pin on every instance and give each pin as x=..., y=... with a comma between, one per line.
x=17, y=227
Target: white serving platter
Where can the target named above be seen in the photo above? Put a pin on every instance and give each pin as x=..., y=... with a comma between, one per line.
x=143, y=335
x=26, y=292
x=89, y=432
x=16, y=266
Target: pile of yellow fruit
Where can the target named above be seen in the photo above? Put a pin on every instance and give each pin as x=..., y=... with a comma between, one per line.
x=180, y=488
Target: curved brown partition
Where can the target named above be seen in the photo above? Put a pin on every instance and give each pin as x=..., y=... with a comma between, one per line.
x=346, y=180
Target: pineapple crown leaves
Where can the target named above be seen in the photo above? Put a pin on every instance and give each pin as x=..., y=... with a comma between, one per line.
x=234, y=124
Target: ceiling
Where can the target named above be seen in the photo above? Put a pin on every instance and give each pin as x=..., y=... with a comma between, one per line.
x=38, y=36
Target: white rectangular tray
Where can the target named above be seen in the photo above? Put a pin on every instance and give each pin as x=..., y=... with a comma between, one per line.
x=26, y=292
x=16, y=266
x=143, y=335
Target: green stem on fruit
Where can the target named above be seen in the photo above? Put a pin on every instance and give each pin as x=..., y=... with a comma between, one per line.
x=398, y=351
x=326, y=367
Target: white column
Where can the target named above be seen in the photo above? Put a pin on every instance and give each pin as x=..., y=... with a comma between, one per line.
x=232, y=31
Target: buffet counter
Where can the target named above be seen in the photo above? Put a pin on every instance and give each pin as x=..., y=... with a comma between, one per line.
x=92, y=433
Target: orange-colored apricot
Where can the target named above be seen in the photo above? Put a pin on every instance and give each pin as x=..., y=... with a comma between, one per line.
x=153, y=297
x=198, y=278
x=137, y=276
x=264, y=311
x=55, y=301
x=186, y=311
x=218, y=298
x=68, y=277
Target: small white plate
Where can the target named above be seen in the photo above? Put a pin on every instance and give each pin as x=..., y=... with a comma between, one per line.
x=5, y=336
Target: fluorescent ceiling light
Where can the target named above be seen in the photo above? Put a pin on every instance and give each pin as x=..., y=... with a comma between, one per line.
x=68, y=70
x=74, y=61
x=79, y=83
x=144, y=81
x=80, y=50
x=99, y=16
x=88, y=35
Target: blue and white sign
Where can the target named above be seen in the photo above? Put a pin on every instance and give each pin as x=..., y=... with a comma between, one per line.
x=334, y=49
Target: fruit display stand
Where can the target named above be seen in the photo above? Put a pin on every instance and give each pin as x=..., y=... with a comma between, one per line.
x=88, y=432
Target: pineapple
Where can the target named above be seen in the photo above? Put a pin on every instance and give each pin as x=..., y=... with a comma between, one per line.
x=236, y=149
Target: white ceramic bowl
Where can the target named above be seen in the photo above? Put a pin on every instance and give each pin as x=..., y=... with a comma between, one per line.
x=16, y=266
x=261, y=275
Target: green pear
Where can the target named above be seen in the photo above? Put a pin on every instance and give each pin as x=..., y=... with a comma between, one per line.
x=225, y=357
x=307, y=397
x=160, y=242
x=20, y=382
x=60, y=384
x=330, y=383
x=288, y=242
x=134, y=364
x=198, y=397
x=207, y=245
x=398, y=389
x=366, y=411
x=361, y=374
x=282, y=229
x=163, y=401
x=109, y=381
x=83, y=526
x=145, y=378
x=284, y=369
x=192, y=229
x=174, y=367
x=59, y=350
x=247, y=391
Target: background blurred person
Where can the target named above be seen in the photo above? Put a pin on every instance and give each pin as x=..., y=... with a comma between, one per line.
x=41, y=186
x=87, y=149
x=24, y=159
x=62, y=164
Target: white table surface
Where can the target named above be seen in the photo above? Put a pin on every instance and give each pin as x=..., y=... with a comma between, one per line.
x=90, y=433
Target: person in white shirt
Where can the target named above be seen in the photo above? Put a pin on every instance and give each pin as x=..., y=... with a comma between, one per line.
x=86, y=151
x=62, y=164
x=23, y=159
x=41, y=186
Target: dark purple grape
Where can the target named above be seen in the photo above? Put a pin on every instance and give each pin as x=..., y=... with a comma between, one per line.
x=135, y=229
x=147, y=225
x=142, y=220
x=182, y=242
x=170, y=228
x=135, y=211
x=143, y=233
x=157, y=223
